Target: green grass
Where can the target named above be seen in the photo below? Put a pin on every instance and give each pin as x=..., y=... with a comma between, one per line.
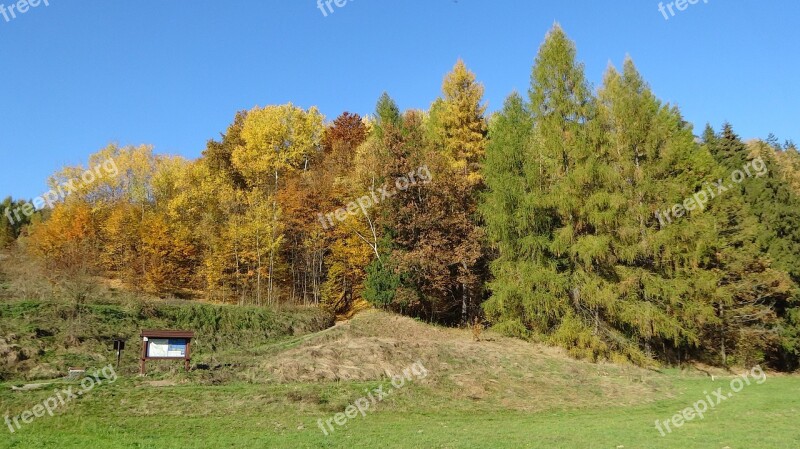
x=130, y=414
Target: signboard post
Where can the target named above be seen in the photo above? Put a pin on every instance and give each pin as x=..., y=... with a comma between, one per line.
x=119, y=345
x=166, y=345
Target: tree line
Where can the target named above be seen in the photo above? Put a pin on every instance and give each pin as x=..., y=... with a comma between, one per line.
x=539, y=219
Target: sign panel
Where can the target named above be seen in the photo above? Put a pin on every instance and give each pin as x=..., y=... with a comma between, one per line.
x=163, y=347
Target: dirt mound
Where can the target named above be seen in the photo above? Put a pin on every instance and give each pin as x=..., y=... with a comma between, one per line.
x=362, y=358
x=374, y=345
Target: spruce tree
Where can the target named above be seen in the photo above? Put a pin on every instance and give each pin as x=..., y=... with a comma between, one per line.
x=771, y=199
x=386, y=114
x=775, y=209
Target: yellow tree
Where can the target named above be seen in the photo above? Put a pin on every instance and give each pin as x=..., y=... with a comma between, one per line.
x=457, y=130
x=276, y=141
x=461, y=115
x=113, y=174
x=167, y=255
x=120, y=230
x=67, y=240
x=108, y=196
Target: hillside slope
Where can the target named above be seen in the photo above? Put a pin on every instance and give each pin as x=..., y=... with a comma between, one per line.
x=497, y=371
x=40, y=338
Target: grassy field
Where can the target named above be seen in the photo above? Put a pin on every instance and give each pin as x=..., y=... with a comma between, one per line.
x=133, y=414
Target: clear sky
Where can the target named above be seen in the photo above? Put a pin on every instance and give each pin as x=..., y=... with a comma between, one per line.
x=79, y=74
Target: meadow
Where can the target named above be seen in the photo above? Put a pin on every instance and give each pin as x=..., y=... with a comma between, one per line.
x=133, y=414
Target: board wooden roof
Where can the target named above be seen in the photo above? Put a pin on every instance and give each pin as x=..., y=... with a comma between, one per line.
x=153, y=333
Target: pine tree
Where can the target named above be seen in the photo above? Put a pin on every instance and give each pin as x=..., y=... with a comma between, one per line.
x=760, y=315
x=386, y=114
x=770, y=198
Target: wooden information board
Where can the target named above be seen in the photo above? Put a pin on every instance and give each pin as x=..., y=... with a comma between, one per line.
x=166, y=345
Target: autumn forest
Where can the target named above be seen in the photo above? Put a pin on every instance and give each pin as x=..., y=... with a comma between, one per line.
x=540, y=220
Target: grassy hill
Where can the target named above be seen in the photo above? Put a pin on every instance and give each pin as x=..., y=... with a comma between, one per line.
x=274, y=378
x=489, y=394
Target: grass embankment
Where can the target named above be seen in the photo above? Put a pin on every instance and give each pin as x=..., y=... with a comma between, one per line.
x=41, y=339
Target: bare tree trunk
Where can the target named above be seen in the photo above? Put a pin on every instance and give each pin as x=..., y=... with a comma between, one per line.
x=317, y=291
x=238, y=274
x=374, y=243
x=272, y=241
x=295, y=276
x=723, y=351
x=314, y=278
x=258, y=273
x=464, y=299
x=307, y=266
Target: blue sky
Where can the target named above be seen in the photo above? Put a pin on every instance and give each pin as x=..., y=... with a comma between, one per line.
x=77, y=75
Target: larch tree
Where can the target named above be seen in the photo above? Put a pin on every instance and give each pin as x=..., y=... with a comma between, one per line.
x=464, y=130
x=592, y=219
x=665, y=294
x=503, y=210
x=567, y=213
